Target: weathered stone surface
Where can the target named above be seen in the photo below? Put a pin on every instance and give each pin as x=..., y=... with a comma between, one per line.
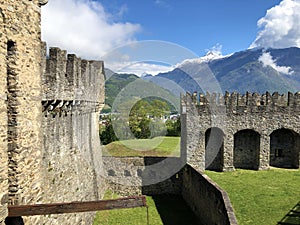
x=20, y=96
x=206, y=199
x=249, y=124
x=71, y=147
x=3, y=120
x=49, y=112
x=142, y=175
x=209, y=202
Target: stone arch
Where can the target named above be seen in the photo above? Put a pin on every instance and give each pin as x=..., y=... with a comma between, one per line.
x=214, y=149
x=284, y=148
x=246, y=149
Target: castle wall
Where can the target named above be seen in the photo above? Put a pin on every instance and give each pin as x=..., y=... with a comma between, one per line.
x=50, y=149
x=129, y=176
x=261, y=114
x=246, y=149
x=3, y=122
x=72, y=159
x=20, y=96
x=208, y=201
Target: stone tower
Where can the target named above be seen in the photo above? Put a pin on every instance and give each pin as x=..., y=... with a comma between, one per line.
x=20, y=107
x=50, y=149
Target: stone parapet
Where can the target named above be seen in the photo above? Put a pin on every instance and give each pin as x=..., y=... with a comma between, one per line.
x=67, y=77
x=244, y=103
x=73, y=95
x=207, y=200
x=251, y=131
x=128, y=176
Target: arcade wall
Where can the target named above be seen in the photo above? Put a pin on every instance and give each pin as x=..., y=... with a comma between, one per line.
x=251, y=131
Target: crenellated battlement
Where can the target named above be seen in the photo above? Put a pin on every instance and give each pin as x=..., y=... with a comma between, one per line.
x=250, y=131
x=67, y=77
x=241, y=103
x=69, y=81
x=72, y=98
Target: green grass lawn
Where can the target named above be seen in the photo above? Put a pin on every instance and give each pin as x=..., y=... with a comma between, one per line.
x=163, y=210
x=159, y=146
x=261, y=197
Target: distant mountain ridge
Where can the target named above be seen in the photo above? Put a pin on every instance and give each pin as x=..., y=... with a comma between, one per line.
x=253, y=70
x=122, y=88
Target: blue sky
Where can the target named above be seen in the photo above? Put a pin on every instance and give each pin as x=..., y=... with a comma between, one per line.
x=195, y=24
x=94, y=28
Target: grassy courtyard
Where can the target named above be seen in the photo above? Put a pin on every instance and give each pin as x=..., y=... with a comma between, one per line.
x=258, y=197
x=159, y=146
x=162, y=209
x=261, y=197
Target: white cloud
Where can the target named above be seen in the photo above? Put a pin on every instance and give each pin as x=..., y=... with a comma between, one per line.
x=141, y=68
x=84, y=27
x=280, y=28
x=146, y=57
x=163, y=4
x=267, y=60
x=122, y=10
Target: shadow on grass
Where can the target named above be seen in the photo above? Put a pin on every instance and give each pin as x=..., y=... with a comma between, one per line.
x=293, y=217
x=173, y=210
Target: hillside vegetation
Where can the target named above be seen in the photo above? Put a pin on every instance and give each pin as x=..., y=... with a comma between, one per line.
x=129, y=87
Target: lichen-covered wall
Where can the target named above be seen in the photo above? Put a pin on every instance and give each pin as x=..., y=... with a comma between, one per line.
x=259, y=115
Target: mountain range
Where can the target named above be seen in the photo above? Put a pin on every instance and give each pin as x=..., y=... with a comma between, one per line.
x=253, y=70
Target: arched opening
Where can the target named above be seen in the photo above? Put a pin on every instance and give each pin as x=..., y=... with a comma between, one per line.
x=284, y=149
x=214, y=149
x=246, y=149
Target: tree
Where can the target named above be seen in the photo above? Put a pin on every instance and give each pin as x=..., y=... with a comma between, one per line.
x=139, y=120
x=159, y=108
x=146, y=118
x=173, y=127
x=108, y=135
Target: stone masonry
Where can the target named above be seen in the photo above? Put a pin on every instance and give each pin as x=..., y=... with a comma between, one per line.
x=129, y=176
x=72, y=97
x=250, y=131
x=49, y=111
x=50, y=150
x=20, y=96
